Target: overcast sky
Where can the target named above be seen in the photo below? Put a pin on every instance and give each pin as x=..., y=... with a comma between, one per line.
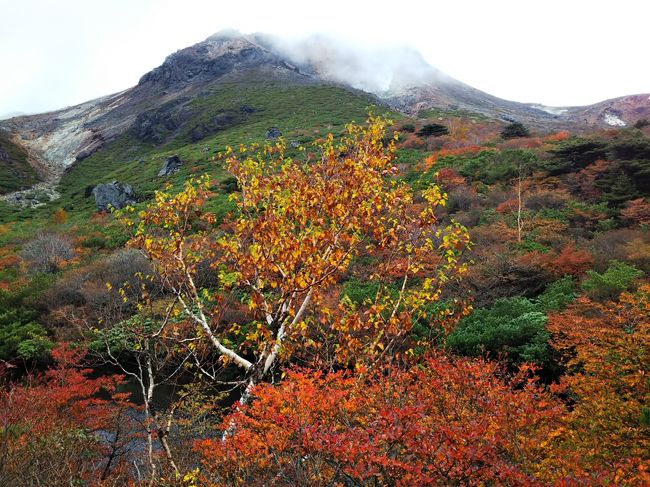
x=56, y=53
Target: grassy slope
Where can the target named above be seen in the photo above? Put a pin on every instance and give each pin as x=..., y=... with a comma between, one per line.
x=302, y=113
x=298, y=111
x=15, y=171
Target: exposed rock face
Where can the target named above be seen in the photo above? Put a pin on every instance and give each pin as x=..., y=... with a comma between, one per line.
x=170, y=166
x=222, y=121
x=213, y=58
x=273, y=133
x=154, y=126
x=113, y=195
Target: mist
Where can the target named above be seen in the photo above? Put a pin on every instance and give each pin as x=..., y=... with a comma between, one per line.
x=555, y=53
x=378, y=69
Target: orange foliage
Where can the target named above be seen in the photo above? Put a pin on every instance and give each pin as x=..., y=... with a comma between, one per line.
x=508, y=206
x=449, y=178
x=522, y=143
x=558, y=137
x=637, y=211
x=412, y=141
x=588, y=176
x=99, y=217
x=448, y=422
x=48, y=426
x=570, y=261
x=60, y=217
x=9, y=261
x=604, y=439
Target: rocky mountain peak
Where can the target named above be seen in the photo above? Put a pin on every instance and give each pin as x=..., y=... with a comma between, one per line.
x=210, y=59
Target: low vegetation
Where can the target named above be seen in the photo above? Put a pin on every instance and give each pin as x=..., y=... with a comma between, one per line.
x=445, y=300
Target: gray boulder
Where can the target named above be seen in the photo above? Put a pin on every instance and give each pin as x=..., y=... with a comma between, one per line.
x=273, y=133
x=171, y=165
x=113, y=195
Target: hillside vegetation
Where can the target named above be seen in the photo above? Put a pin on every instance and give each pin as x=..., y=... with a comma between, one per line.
x=437, y=300
x=15, y=171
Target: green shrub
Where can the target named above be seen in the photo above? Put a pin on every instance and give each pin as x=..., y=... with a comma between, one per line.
x=617, y=278
x=575, y=154
x=360, y=292
x=95, y=242
x=24, y=340
x=512, y=326
x=514, y=130
x=433, y=129
x=557, y=295
x=230, y=185
x=490, y=167
x=20, y=335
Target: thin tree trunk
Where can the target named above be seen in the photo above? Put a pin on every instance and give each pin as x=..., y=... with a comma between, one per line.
x=519, y=205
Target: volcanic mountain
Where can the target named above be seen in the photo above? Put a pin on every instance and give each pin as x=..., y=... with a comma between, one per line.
x=164, y=102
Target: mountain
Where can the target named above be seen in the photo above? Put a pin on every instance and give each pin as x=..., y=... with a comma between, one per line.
x=200, y=91
x=618, y=112
x=154, y=106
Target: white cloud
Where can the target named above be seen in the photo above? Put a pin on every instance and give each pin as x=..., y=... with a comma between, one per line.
x=552, y=52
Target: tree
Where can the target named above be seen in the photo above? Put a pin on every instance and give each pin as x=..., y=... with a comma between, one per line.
x=60, y=216
x=447, y=422
x=618, y=277
x=604, y=438
x=515, y=129
x=433, y=129
x=297, y=227
x=56, y=430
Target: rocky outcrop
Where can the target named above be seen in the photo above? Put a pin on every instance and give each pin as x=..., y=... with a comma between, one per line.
x=273, y=133
x=113, y=195
x=171, y=166
x=213, y=58
x=221, y=121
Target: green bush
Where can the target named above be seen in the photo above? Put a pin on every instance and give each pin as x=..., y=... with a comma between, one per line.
x=557, y=295
x=360, y=292
x=27, y=341
x=433, y=129
x=491, y=167
x=514, y=130
x=20, y=335
x=95, y=242
x=512, y=326
x=575, y=154
x=230, y=185
x=617, y=278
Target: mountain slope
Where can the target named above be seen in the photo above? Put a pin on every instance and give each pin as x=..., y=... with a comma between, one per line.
x=618, y=112
x=16, y=172
x=173, y=105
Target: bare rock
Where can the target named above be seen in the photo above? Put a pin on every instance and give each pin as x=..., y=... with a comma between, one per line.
x=171, y=166
x=273, y=133
x=113, y=195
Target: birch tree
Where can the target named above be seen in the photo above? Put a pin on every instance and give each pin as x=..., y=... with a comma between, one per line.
x=297, y=227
